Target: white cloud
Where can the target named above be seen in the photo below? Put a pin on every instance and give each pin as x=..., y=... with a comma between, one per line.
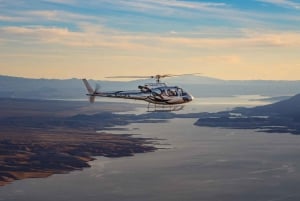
x=191, y=10
x=42, y=16
x=90, y=30
x=91, y=36
x=58, y=15
x=149, y=4
x=162, y=9
x=171, y=7
x=61, y=1
x=284, y=3
x=11, y=18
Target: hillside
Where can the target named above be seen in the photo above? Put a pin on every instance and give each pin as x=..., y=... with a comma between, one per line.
x=289, y=107
x=39, y=138
x=280, y=117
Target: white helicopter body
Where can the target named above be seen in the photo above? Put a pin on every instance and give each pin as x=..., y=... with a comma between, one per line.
x=154, y=93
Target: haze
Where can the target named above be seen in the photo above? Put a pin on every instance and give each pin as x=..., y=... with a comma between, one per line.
x=253, y=39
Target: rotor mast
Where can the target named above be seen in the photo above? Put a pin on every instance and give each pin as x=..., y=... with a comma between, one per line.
x=157, y=78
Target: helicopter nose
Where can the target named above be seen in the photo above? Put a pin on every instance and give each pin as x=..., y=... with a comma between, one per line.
x=188, y=98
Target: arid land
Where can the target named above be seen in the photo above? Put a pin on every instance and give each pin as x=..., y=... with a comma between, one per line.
x=41, y=138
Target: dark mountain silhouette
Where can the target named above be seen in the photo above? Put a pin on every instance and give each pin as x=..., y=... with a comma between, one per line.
x=286, y=107
x=289, y=107
x=199, y=86
x=280, y=117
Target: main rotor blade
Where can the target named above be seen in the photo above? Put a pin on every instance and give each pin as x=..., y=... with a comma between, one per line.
x=153, y=76
x=176, y=75
x=129, y=77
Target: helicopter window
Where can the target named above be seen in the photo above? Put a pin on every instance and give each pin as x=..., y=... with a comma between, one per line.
x=164, y=92
x=172, y=92
x=180, y=92
x=156, y=91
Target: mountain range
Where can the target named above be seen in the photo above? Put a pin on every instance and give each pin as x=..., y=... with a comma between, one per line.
x=199, y=86
x=285, y=108
x=279, y=117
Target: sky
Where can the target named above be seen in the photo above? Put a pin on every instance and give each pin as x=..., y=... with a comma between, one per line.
x=226, y=39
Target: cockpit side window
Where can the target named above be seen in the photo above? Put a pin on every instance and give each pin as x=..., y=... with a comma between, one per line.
x=156, y=91
x=172, y=92
x=180, y=92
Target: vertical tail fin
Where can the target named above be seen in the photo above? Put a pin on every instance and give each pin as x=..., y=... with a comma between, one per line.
x=90, y=90
x=88, y=86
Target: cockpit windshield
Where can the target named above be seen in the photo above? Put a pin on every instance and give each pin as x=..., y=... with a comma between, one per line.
x=174, y=91
x=169, y=91
x=183, y=93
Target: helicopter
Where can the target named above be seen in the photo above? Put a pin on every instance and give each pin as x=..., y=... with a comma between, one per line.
x=157, y=93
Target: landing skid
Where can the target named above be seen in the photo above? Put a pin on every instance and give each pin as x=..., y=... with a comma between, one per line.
x=163, y=108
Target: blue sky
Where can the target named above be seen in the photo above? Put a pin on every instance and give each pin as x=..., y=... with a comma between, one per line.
x=249, y=39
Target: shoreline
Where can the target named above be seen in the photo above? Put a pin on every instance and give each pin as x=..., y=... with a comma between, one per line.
x=39, y=138
x=40, y=153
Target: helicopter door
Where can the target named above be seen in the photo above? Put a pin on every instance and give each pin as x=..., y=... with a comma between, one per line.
x=157, y=93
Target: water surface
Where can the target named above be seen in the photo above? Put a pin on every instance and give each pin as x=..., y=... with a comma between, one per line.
x=200, y=163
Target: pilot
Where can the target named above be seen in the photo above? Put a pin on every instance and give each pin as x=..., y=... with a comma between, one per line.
x=172, y=92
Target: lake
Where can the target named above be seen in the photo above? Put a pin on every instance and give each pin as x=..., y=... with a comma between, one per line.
x=198, y=163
